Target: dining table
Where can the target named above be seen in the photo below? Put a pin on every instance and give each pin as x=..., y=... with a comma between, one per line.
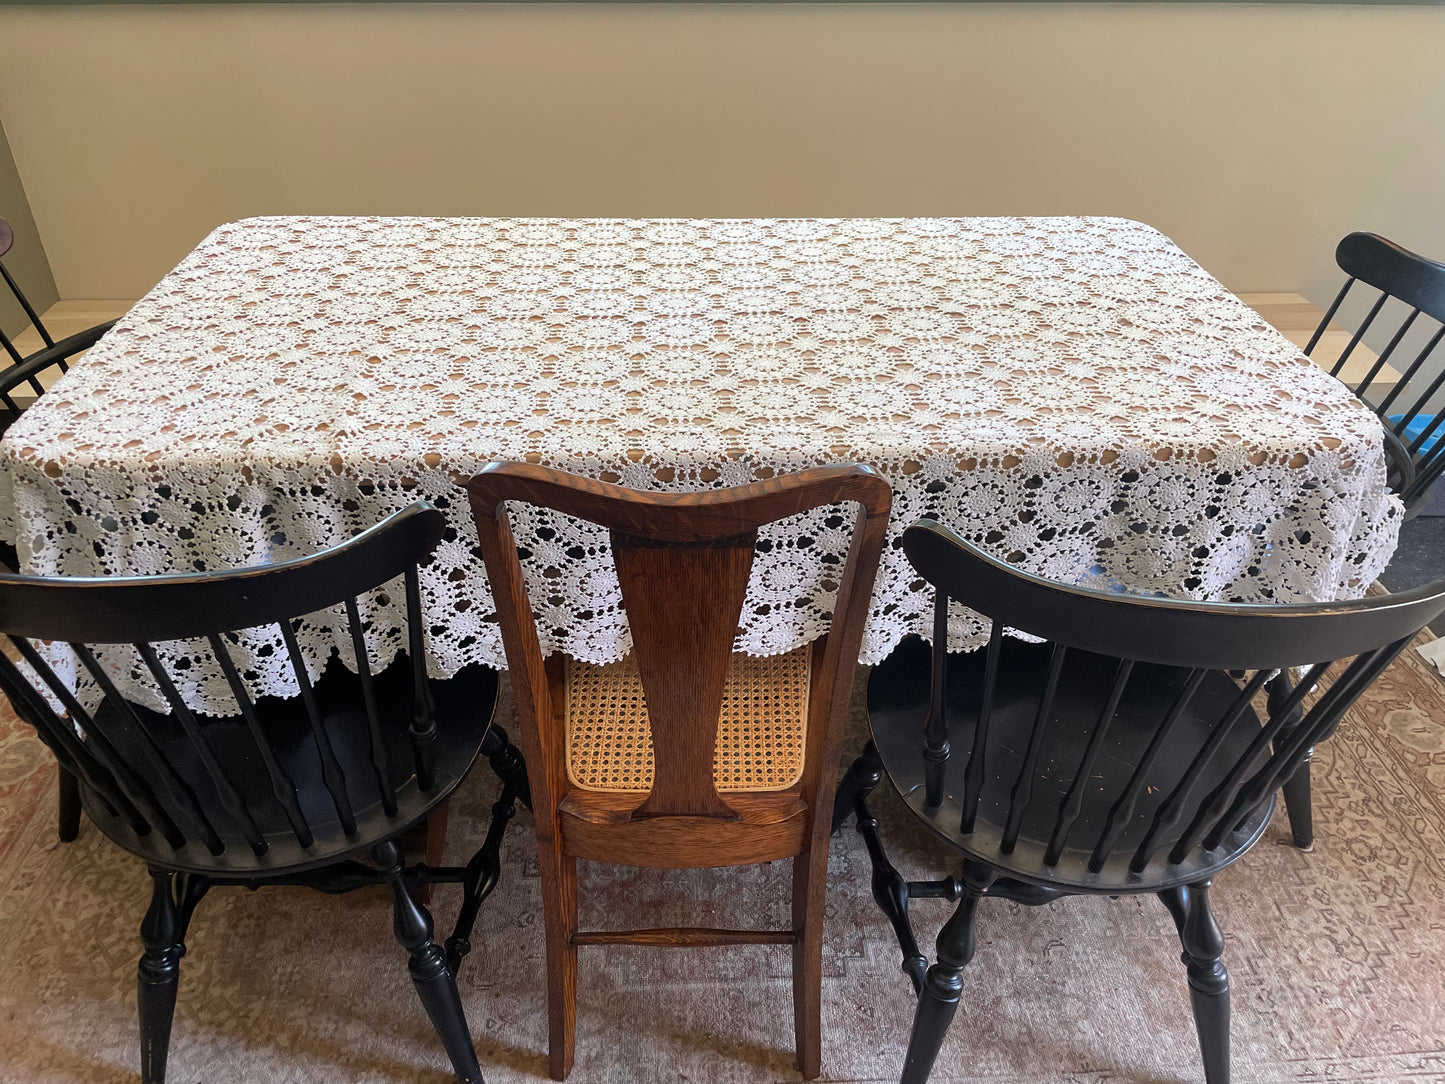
x=1074, y=394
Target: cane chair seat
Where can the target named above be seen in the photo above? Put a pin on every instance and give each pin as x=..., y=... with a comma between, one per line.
x=762, y=727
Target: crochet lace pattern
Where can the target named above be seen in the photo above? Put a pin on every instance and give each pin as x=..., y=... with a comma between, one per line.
x=1075, y=394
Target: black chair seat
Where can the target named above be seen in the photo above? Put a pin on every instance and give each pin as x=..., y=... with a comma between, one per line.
x=464, y=707
x=898, y=695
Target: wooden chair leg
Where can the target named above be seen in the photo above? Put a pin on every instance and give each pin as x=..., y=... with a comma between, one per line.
x=810, y=876
x=559, y=902
x=1208, y=979
x=157, y=977
x=939, y=999
x=428, y=966
x=68, y=790
x=858, y=782
x=1297, y=790
x=1297, y=805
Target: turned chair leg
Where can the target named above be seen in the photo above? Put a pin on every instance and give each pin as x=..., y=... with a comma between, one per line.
x=858, y=782
x=890, y=892
x=1208, y=980
x=68, y=790
x=941, y=989
x=485, y=868
x=434, y=982
x=163, y=930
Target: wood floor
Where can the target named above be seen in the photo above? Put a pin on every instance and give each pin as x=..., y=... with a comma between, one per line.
x=1291, y=314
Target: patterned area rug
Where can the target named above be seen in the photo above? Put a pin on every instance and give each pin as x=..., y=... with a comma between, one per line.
x=1337, y=956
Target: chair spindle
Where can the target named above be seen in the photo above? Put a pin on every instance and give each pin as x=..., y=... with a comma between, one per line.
x=1359, y=334
x=1122, y=811
x=1384, y=355
x=331, y=773
x=71, y=751
x=1073, y=802
x=1023, y=787
x=229, y=797
x=935, y=723
x=973, y=774
x=1171, y=810
x=380, y=760
x=1329, y=315
x=181, y=796
x=423, y=725
x=1219, y=798
x=1316, y=726
x=98, y=743
x=282, y=785
x=30, y=312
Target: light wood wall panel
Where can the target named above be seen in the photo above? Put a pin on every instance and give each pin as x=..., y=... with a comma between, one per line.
x=1255, y=135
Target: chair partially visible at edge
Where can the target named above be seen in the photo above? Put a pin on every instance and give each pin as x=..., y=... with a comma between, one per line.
x=1118, y=756
x=286, y=791
x=26, y=371
x=714, y=792
x=1413, y=440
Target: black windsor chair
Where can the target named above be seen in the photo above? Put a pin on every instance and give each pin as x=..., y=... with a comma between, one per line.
x=286, y=791
x=1414, y=443
x=25, y=371
x=1414, y=440
x=1117, y=757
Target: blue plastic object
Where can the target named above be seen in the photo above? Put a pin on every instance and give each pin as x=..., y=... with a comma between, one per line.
x=1421, y=423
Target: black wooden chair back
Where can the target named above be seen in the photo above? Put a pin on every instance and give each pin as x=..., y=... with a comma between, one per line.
x=25, y=371
x=226, y=796
x=1175, y=777
x=1416, y=460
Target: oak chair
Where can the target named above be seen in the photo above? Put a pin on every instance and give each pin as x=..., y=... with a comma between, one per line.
x=1117, y=757
x=729, y=761
x=285, y=791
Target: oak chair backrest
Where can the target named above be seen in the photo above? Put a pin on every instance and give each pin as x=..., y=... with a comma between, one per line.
x=683, y=561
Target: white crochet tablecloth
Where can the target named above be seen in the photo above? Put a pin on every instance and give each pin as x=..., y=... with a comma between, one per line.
x=1075, y=394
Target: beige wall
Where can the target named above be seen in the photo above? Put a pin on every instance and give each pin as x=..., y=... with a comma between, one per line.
x=26, y=259
x=1255, y=135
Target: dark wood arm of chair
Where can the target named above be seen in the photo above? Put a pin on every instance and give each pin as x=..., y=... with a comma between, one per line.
x=53, y=355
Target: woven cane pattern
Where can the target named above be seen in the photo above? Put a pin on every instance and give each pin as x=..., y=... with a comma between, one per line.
x=761, y=728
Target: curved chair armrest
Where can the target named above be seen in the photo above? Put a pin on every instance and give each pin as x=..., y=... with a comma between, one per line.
x=42, y=359
x=1400, y=465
